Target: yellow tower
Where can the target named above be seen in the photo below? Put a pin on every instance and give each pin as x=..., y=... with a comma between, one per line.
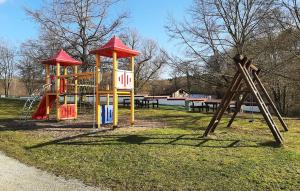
x=122, y=80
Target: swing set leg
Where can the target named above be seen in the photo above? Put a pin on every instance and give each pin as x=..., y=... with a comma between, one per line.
x=237, y=110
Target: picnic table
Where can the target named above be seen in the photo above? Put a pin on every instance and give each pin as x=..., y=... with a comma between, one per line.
x=142, y=103
x=204, y=104
x=216, y=102
x=126, y=102
x=146, y=102
x=196, y=103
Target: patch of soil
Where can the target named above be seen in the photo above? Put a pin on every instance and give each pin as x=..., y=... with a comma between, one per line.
x=84, y=124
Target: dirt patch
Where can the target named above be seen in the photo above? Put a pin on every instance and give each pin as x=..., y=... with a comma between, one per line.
x=59, y=129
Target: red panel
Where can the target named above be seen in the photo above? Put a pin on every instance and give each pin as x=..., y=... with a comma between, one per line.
x=67, y=111
x=62, y=85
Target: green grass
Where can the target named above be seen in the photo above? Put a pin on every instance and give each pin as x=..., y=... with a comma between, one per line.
x=10, y=108
x=172, y=158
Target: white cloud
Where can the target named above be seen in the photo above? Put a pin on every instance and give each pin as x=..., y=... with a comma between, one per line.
x=2, y=1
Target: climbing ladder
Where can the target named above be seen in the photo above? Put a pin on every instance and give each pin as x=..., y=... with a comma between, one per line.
x=247, y=74
x=36, y=94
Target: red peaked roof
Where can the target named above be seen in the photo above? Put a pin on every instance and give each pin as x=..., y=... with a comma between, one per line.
x=115, y=44
x=62, y=58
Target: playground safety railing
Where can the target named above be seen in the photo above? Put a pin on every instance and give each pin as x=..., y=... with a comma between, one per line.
x=36, y=94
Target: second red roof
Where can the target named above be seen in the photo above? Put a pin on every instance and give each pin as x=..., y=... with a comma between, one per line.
x=115, y=44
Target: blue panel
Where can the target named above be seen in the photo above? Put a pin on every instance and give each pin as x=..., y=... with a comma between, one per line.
x=109, y=113
x=106, y=114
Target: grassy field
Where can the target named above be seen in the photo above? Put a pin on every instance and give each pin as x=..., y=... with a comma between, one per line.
x=172, y=156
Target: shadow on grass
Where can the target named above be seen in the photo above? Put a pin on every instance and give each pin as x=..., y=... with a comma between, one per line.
x=191, y=140
x=185, y=121
x=22, y=125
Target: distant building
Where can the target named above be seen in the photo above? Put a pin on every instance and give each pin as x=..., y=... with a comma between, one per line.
x=180, y=93
x=199, y=95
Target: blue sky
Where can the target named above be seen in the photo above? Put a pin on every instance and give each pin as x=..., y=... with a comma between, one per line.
x=147, y=16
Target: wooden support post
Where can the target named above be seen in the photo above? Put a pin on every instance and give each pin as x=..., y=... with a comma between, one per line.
x=240, y=103
x=236, y=84
x=270, y=101
x=228, y=99
x=132, y=93
x=115, y=90
x=98, y=107
x=76, y=91
x=65, y=91
x=261, y=104
x=107, y=95
x=215, y=120
x=47, y=90
x=238, y=108
x=57, y=91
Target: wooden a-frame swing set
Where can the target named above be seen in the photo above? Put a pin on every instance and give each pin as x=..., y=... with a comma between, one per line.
x=247, y=74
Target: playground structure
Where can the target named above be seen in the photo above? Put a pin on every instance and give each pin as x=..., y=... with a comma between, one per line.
x=56, y=86
x=59, y=85
x=122, y=83
x=122, y=80
x=247, y=75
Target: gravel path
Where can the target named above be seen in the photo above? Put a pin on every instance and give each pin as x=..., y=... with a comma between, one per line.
x=15, y=176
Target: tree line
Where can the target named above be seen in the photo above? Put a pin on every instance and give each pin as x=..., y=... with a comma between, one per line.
x=77, y=26
x=212, y=32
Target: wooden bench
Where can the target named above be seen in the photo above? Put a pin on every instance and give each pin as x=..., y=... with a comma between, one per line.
x=200, y=107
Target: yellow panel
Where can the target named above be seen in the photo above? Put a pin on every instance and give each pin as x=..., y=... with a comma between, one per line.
x=115, y=91
x=98, y=111
x=57, y=90
x=132, y=93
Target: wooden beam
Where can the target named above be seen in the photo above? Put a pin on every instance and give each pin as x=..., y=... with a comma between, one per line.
x=79, y=74
x=238, y=108
x=65, y=91
x=47, y=90
x=232, y=91
x=261, y=104
x=226, y=99
x=57, y=91
x=107, y=95
x=76, y=92
x=253, y=67
x=115, y=90
x=239, y=104
x=270, y=102
x=97, y=76
x=132, y=92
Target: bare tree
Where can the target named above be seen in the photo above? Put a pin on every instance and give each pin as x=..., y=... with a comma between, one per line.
x=215, y=30
x=79, y=25
x=290, y=17
x=7, y=67
x=30, y=69
x=280, y=67
x=182, y=68
x=151, y=60
x=31, y=53
x=220, y=28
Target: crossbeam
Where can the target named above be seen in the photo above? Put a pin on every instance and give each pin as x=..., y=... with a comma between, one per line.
x=79, y=74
